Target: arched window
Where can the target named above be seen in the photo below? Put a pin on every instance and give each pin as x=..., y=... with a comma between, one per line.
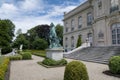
x=116, y=34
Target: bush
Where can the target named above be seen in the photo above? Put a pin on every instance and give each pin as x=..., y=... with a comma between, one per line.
x=6, y=50
x=114, y=64
x=79, y=42
x=3, y=67
x=26, y=56
x=51, y=62
x=76, y=70
x=15, y=57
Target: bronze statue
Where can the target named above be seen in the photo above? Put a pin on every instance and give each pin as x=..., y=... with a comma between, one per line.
x=53, y=38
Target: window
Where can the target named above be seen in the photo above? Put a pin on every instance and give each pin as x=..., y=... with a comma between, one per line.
x=89, y=18
x=99, y=4
x=100, y=35
x=66, y=27
x=72, y=25
x=80, y=22
x=72, y=42
x=114, y=5
x=66, y=44
x=116, y=34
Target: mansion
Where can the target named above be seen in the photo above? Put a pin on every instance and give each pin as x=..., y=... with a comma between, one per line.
x=96, y=21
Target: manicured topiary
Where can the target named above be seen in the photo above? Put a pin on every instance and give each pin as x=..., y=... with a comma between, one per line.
x=76, y=70
x=26, y=56
x=114, y=64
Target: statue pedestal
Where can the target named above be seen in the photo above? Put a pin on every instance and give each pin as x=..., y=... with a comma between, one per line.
x=55, y=53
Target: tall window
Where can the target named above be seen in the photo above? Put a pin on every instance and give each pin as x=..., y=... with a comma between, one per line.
x=66, y=27
x=89, y=18
x=72, y=42
x=80, y=22
x=114, y=5
x=66, y=39
x=116, y=34
x=72, y=24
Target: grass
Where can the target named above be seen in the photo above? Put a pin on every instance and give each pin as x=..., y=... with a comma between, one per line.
x=40, y=53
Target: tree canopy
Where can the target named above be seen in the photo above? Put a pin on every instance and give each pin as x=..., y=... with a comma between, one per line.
x=7, y=29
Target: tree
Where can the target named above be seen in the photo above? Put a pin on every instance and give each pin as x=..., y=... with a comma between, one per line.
x=59, y=31
x=40, y=44
x=39, y=31
x=20, y=39
x=19, y=31
x=79, y=41
x=6, y=32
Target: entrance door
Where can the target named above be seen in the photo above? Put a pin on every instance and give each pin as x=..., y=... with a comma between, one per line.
x=90, y=39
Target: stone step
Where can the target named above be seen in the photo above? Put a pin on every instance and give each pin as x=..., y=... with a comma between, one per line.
x=95, y=54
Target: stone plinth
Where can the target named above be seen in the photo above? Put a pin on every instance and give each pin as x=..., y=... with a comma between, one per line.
x=55, y=53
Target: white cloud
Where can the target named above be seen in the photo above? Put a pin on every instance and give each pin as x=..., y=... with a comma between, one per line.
x=8, y=9
x=25, y=14
x=31, y=4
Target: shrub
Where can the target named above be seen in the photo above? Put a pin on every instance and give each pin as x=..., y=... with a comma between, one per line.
x=26, y=56
x=6, y=50
x=114, y=64
x=76, y=70
x=51, y=62
x=79, y=41
x=3, y=67
x=15, y=57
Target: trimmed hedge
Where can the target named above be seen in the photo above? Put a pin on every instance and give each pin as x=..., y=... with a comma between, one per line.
x=114, y=64
x=51, y=62
x=3, y=67
x=15, y=57
x=26, y=56
x=76, y=70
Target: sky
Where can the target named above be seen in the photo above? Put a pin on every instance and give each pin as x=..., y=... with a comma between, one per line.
x=26, y=14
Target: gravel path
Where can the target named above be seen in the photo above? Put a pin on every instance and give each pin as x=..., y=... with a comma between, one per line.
x=30, y=70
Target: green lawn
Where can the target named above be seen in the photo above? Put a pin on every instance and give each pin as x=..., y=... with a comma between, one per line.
x=40, y=53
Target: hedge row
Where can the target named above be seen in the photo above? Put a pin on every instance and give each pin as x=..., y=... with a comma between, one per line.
x=22, y=56
x=3, y=67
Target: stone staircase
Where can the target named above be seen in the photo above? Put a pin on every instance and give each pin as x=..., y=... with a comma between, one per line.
x=95, y=54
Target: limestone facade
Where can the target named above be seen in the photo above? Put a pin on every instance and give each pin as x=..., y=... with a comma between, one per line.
x=96, y=21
